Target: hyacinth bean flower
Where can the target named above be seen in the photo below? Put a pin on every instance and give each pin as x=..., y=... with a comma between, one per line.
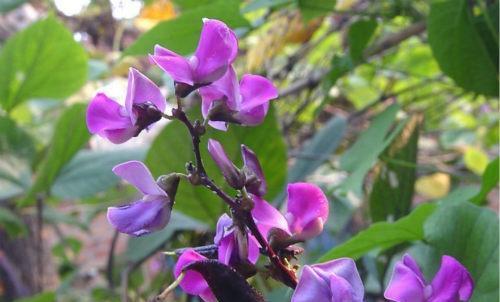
x=193, y=282
x=307, y=212
x=245, y=103
x=144, y=105
x=151, y=212
x=452, y=283
x=232, y=175
x=217, y=49
x=230, y=247
x=255, y=182
x=334, y=281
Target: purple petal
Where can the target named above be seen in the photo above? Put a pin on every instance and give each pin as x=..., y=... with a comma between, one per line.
x=225, y=249
x=231, y=174
x=251, y=162
x=256, y=91
x=253, y=249
x=253, y=117
x=226, y=86
x=307, y=209
x=452, y=282
x=344, y=276
x=136, y=173
x=407, y=283
x=175, y=65
x=105, y=115
x=140, y=217
x=267, y=217
x=311, y=287
x=223, y=228
x=140, y=90
x=193, y=282
x=217, y=49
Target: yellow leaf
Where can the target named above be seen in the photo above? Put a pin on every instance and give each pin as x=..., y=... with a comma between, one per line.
x=433, y=186
x=475, y=160
x=159, y=10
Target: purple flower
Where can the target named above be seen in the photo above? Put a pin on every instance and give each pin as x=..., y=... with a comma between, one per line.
x=231, y=249
x=307, y=212
x=144, y=104
x=244, y=103
x=151, y=212
x=452, y=283
x=233, y=176
x=255, y=182
x=217, y=49
x=334, y=281
x=193, y=282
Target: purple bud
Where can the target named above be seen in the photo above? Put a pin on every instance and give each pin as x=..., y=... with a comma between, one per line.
x=255, y=181
x=233, y=176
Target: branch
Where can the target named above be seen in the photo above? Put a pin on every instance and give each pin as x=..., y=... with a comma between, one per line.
x=111, y=260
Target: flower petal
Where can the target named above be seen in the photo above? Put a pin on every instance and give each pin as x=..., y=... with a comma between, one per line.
x=226, y=86
x=344, y=276
x=251, y=162
x=233, y=177
x=223, y=228
x=140, y=217
x=255, y=91
x=136, y=173
x=217, y=49
x=307, y=209
x=452, y=282
x=193, y=282
x=119, y=136
x=175, y=65
x=406, y=284
x=105, y=114
x=311, y=287
x=254, y=116
x=267, y=217
x=140, y=90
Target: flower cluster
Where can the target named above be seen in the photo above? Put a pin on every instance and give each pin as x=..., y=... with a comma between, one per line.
x=253, y=227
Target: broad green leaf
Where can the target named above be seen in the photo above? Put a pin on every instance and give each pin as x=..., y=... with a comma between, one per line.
x=340, y=66
x=8, y=5
x=318, y=149
x=172, y=149
x=69, y=136
x=311, y=9
x=361, y=156
x=182, y=33
x=89, y=172
x=383, y=235
x=140, y=247
x=459, y=49
x=358, y=36
x=254, y=5
x=11, y=223
x=490, y=181
x=393, y=188
x=475, y=160
x=470, y=234
x=42, y=61
x=16, y=152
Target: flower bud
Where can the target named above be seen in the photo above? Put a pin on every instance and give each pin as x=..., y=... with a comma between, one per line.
x=169, y=183
x=255, y=181
x=234, y=177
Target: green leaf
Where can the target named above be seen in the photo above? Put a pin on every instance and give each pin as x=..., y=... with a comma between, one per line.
x=42, y=297
x=470, y=234
x=182, y=33
x=361, y=156
x=254, y=5
x=490, y=181
x=11, y=223
x=172, y=149
x=311, y=9
x=8, y=5
x=393, y=188
x=459, y=49
x=318, y=149
x=140, y=247
x=89, y=172
x=475, y=160
x=384, y=235
x=340, y=66
x=16, y=151
x=358, y=36
x=42, y=61
x=69, y=136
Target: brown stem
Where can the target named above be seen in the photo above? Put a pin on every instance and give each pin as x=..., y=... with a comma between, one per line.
x=286, y=275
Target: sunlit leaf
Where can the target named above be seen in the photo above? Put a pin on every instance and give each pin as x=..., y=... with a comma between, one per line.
x=475, y=160
x=490, y=181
